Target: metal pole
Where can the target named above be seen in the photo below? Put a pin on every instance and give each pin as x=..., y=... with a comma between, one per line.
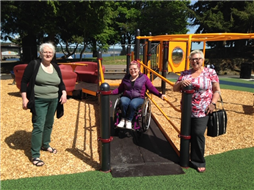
x=105, y=130
x=165, y=65
x=137, y=45
x=185, y=125
x=99, y=57
x=149, y=53
x=128, y=59
x=145, y=54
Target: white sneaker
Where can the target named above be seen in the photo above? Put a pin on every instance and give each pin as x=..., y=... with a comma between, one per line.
x=128, y=124
x=121, y=123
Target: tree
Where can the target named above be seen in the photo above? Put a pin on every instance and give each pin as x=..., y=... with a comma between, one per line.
x=161, y=17
x=83, y=23
x=93, y=24
x=28, y=20
x=64, y=22
x=221, y=17
x=158, y=17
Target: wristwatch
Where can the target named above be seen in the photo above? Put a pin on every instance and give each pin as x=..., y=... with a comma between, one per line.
x=213, y=104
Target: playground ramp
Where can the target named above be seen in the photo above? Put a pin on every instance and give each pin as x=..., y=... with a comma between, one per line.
x=147, y=155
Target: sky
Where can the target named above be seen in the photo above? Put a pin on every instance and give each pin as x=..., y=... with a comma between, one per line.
x=195, y=45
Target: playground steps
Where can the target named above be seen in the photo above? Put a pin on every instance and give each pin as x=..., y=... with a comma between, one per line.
x=110, y=69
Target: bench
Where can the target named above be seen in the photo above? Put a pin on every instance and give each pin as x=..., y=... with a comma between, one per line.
x=88, y=73
x=18, y=72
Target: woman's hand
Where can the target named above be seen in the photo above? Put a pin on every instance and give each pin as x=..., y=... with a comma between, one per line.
x=181, y=84
x=185, y=83
x=63, y=98
x=163, y=96
x=24, y=100
x=24, y=103
x=210, y=108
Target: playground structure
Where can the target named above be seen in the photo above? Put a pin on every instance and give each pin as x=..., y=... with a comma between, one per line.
x=166, y=52
x=171, y=55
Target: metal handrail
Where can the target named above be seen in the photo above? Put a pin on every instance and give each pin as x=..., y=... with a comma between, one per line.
x=163, y=113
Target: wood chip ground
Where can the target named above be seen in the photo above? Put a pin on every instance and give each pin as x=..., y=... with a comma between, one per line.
x=75, y=135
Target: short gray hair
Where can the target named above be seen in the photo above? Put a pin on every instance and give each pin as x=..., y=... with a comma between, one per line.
x=48, y=44
x=195, y=52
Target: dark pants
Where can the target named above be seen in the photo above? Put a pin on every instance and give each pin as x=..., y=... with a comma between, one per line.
x=198, y=127
x=42, y=124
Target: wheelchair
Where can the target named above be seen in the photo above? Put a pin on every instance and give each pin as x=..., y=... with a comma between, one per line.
x=142, y=117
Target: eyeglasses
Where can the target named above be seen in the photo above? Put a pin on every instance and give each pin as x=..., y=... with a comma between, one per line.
x=133, y=69
x=196, y=59
x=48, y=52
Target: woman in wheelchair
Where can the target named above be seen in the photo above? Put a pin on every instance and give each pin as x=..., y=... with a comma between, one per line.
x=133, y=87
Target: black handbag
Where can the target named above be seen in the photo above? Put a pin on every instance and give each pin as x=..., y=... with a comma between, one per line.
x=217, y=122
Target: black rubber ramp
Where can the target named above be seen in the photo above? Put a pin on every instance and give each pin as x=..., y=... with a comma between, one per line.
x=148, y=154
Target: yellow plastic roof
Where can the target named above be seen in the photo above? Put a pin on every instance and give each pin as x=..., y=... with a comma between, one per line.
x=199, y=37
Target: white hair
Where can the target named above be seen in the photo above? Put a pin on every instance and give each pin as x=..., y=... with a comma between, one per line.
x=48, y=44
x=195, y=52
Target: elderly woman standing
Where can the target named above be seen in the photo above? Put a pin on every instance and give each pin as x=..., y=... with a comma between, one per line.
x=207, y=89
x=133, y=87
x=43, y=92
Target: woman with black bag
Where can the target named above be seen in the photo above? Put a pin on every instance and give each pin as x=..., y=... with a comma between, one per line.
x=43, y=92
x=205, y=82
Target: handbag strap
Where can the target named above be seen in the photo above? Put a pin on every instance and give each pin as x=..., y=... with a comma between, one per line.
x=221, y=102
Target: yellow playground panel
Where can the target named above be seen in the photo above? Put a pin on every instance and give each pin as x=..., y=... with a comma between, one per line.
x=179, y=46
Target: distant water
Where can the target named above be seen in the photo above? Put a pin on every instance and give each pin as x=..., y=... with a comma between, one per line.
x=87, y=55
x=77, y=56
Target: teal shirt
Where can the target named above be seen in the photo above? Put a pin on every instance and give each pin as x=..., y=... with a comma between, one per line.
x=46, y=84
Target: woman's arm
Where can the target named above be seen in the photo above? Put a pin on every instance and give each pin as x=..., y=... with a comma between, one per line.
x=118, y=90
x=216, y=96
x=29, y=70
x=216, y=92
x=24, y=100
x=153, y=90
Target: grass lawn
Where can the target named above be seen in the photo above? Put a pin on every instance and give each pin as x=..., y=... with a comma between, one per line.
x=231, y=170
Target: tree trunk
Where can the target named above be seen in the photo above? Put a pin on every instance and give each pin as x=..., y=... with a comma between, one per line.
x=29, y=48
x=94, y=48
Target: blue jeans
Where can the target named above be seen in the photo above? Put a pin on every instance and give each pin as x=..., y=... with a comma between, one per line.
x=129, y=107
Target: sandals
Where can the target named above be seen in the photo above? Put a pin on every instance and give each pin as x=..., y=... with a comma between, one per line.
x=201, y=170
x=37, y=162
x=49, y=149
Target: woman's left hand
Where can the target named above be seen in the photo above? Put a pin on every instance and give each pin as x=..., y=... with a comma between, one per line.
x=163, y=96
x=210, y=109
x=63, y=98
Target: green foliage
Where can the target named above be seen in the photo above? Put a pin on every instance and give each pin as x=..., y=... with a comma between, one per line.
x=158, y=17
x=245, y=17
x=221, y=17
x=161, y=17
x=93, y=24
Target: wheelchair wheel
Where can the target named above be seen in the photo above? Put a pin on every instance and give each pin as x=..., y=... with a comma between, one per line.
x=146, y=115
x=117, y=111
